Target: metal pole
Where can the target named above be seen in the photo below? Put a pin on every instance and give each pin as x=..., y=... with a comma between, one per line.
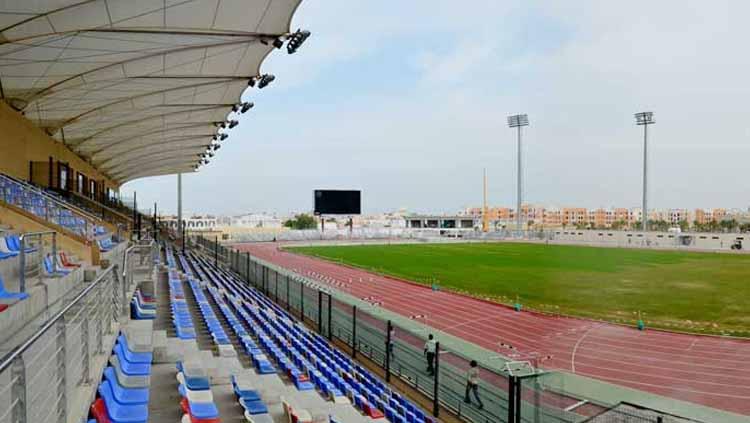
x=320, y=312
x=22, y=265
x=183, y=240
x=354, y=331
x=179, y=204
x=247, y=262
x=287, y=292
x=54, y=252
x=330, y=335
x=518, y=399
x=135, y=217
x=644, y=219
x=216, y=251
x=436, y=382
x=519, y=182
x=302, y=301
x=388, y=341
x=511, y=398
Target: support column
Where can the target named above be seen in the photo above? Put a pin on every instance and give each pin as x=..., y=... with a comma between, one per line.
x=179, y=204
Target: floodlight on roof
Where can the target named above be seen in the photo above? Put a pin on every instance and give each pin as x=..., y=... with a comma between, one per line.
x=215, y=138
x=278, y=43
x=518, y=120
x=247, y=106
x=217, y=146
x=222, y=137
x=265, y=80
x=223, y=125
x=210, y=154
x=233, y=123
x=296, y=40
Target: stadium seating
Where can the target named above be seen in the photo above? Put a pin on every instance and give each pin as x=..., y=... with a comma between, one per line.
x=43, y=206
x=124, y=391
x=306, y=358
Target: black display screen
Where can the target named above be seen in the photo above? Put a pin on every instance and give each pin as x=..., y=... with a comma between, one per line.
x=337, y=201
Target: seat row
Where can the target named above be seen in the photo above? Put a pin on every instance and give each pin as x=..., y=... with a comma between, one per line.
x=142, y=306
x=123, y=393
x=196, y=400
x=42, y=206
x=329, y=370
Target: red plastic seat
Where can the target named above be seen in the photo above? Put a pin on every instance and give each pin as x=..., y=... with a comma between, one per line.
x=99, y=411
x=66, y=262
x=3, y=307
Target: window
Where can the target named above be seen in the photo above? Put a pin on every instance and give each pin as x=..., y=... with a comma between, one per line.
x=79, y=182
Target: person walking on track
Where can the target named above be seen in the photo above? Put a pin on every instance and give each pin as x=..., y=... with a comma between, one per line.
x=472, y=384
x=429, y=353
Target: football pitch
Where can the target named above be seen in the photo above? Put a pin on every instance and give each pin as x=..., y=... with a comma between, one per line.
x=687, y=291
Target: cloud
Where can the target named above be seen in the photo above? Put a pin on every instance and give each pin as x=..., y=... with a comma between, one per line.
x=408, y=101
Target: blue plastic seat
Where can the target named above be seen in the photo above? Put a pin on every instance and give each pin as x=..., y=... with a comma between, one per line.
x=203, y=410
x=125, y=396
x=255, y=407
x=129, y=368
x=120, y=413
x=11, y=295
x=196, y=383
x=133, y=357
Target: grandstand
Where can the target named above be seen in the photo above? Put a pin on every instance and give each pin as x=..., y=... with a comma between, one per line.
x=108, y=315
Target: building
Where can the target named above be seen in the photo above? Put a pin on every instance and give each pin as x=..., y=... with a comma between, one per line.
x=256, y=220
x=192, y=223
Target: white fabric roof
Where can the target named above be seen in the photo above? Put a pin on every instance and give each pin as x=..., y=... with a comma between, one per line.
x=126, y=81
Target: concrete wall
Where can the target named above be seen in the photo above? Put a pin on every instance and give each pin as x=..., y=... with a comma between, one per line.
x=22, y=142
x=698, y=241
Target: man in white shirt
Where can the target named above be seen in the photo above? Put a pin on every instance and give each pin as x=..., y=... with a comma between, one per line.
x=472, y=384
x=429, y=352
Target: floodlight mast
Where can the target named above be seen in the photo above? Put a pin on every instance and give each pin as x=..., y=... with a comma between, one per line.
x=645, y=119
x=518, y=121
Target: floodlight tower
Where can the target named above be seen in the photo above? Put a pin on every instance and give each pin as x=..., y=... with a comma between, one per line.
x=645, y=119
x=519, y=121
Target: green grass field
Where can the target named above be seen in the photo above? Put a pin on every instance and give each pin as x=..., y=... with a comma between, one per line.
x=697, y=292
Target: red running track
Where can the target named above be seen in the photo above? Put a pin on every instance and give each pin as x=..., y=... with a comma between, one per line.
x=707, y=370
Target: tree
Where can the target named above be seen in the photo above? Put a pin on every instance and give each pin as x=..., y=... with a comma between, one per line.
x=301, y=221
x=684, y=225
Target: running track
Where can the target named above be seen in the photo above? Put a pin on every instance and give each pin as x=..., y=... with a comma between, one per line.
x=707, y=370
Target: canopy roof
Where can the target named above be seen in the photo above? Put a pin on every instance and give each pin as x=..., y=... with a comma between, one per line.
x=137, y=87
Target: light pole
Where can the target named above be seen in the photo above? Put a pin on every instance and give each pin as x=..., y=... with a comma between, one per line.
x=645, y=119
x=519, y=121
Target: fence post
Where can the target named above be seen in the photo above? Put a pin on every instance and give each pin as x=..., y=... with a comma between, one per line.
x=216, y=251
x=330, y=326
x=18, y=390
x=436, y=382
x=302, y=301
x=511, y=398
x=247, y=263
x=54, y=252
x=320, y=312
x=518, y=399
x=22, y=265
x=388, y=341
x=287, y=293
x=354, y=331
x=62, y=364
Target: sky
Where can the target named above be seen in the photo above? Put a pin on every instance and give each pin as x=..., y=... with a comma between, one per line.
x=408, y=101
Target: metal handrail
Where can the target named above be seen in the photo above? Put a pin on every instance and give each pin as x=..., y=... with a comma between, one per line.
x=7, y=360
x=22, y=257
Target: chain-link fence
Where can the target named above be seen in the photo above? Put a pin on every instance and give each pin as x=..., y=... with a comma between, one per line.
x=398, y=345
